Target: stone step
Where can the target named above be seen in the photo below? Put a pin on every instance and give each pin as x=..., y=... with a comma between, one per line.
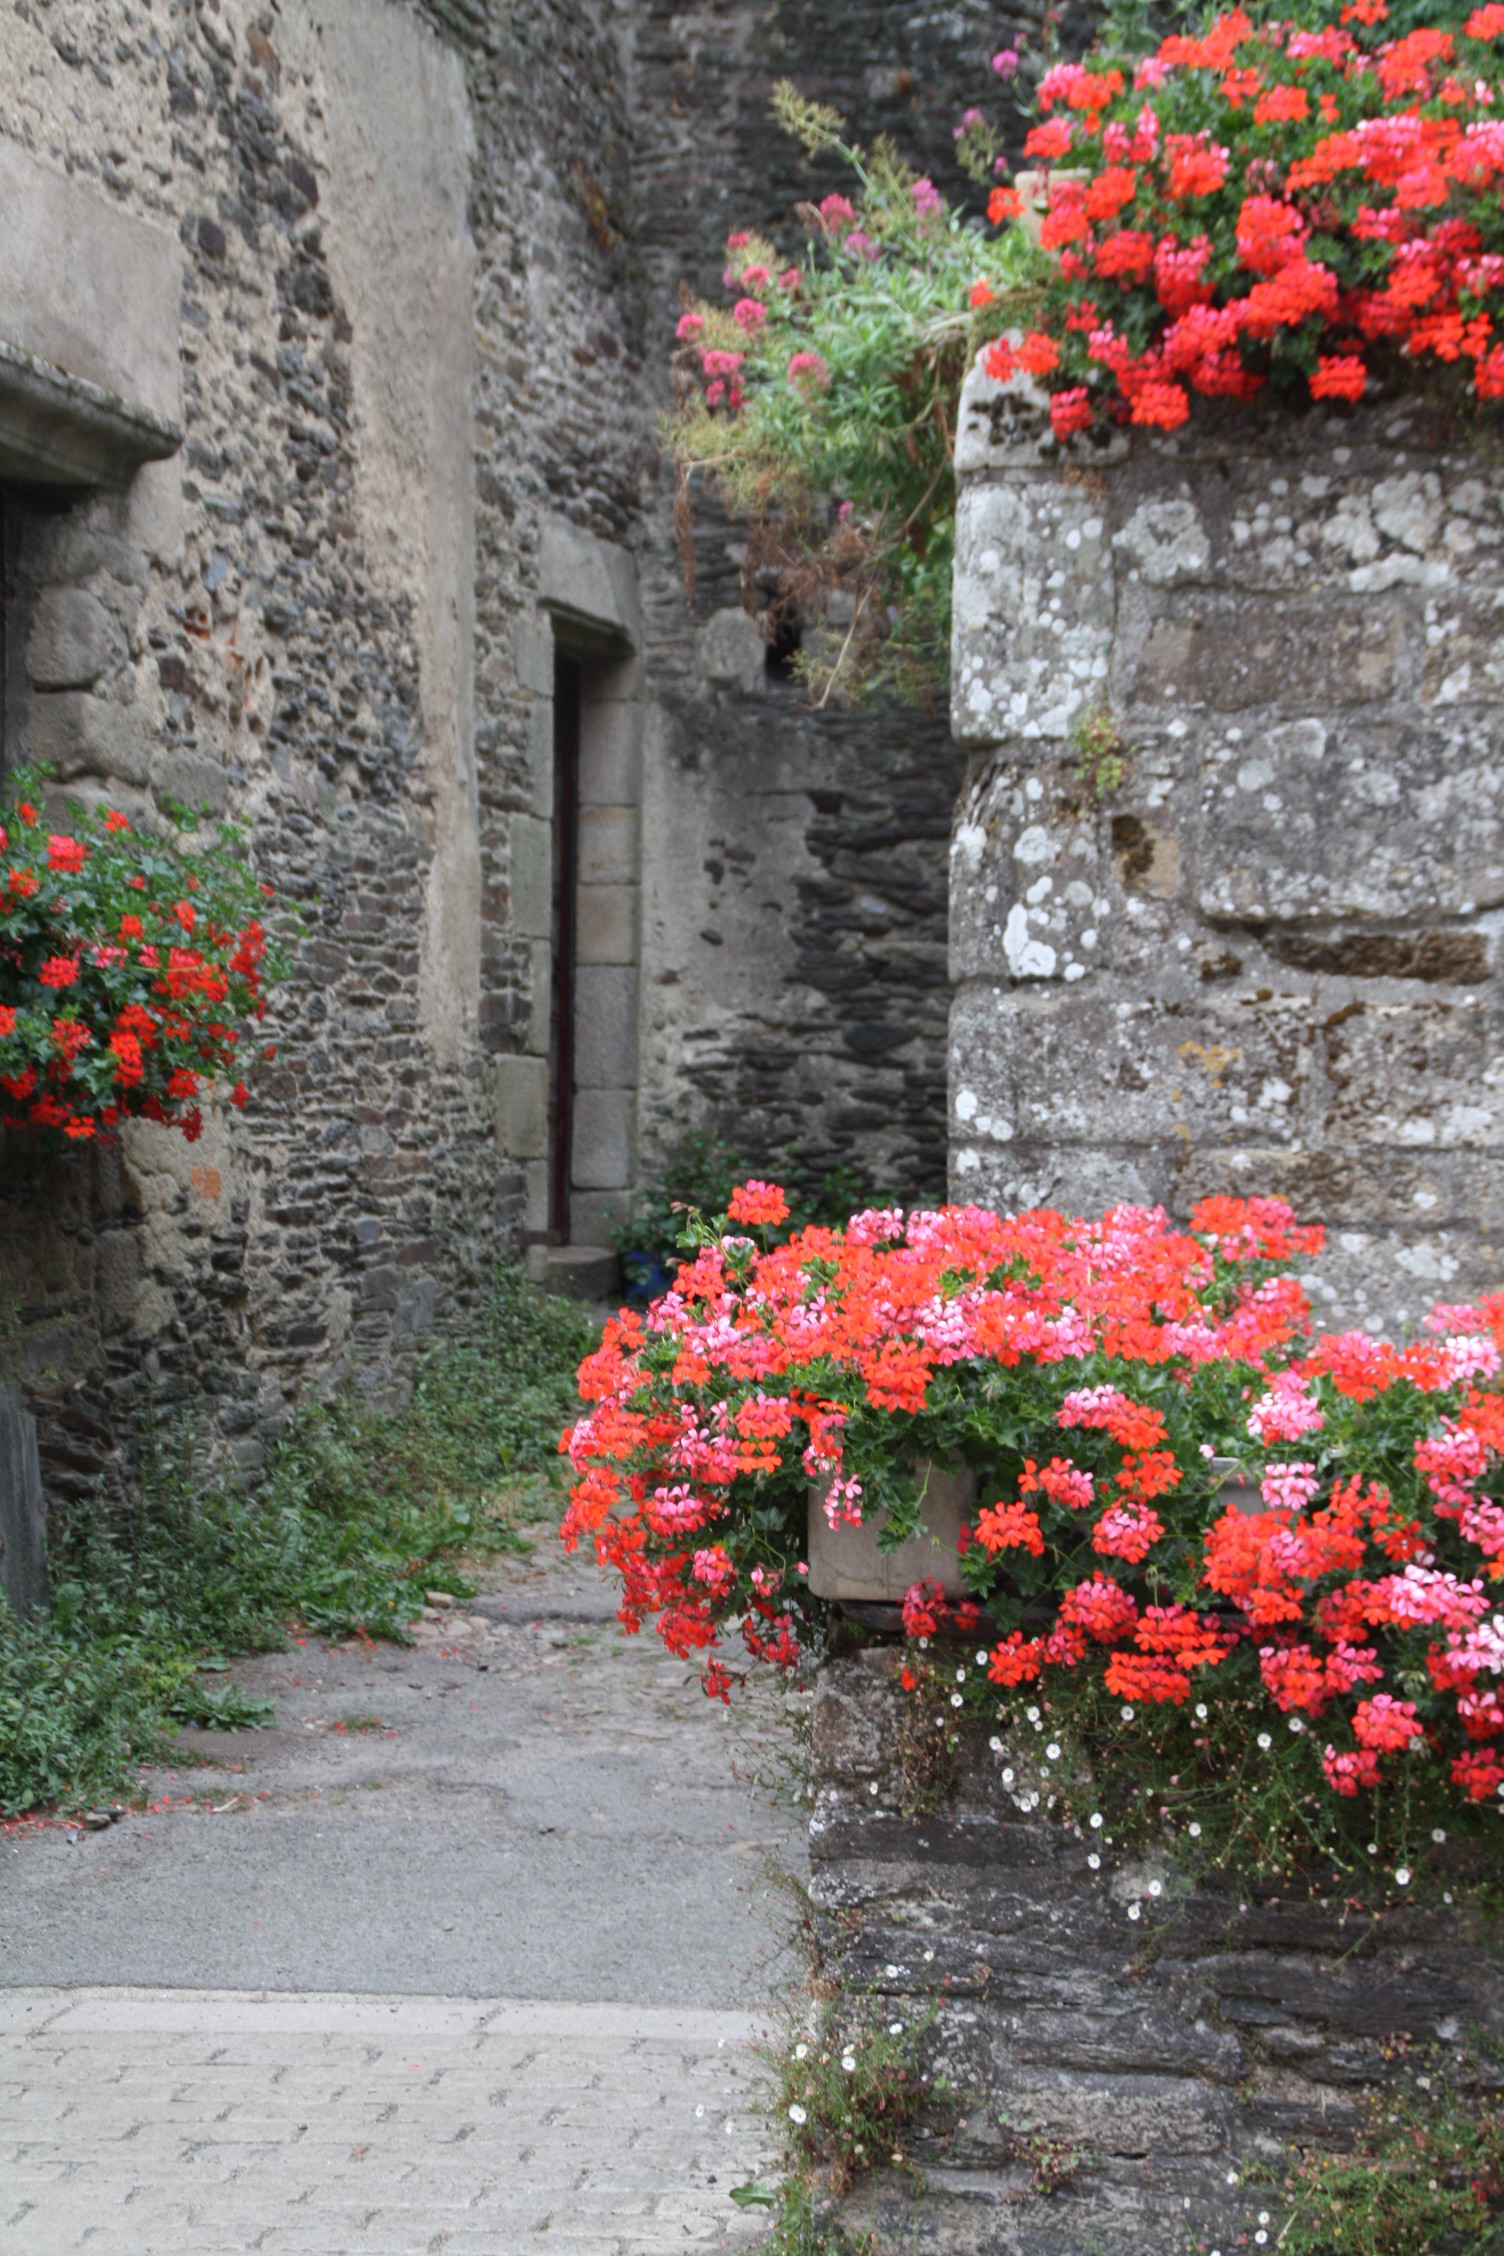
x=581, y=1272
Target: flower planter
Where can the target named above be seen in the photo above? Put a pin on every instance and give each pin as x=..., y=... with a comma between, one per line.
x=845, y=1562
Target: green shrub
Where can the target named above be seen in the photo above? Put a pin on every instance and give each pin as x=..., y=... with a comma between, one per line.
x=700, y=1173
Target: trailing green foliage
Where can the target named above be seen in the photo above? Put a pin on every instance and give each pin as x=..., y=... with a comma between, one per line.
x=1424, y=2176
x=822, y=404
x=362, y=1511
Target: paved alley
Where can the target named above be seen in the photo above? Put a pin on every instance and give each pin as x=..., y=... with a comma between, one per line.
x=464, y=1954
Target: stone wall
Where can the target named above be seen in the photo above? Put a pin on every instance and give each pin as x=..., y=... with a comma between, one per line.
x=1260, y=954
x=322, y=615
x=391, y=283
x=1175, y=2053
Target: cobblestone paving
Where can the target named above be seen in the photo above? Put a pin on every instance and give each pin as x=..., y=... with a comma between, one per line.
x=463, y=1955
x=191, y=2123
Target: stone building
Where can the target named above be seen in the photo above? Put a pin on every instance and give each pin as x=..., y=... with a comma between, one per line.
x=332, y=352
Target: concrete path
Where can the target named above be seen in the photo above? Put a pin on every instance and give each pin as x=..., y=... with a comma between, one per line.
x=463, y=1955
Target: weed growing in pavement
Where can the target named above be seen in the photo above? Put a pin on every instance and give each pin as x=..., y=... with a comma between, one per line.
x=223, y=1707
x=851, y=2085
x=846, y=2082
x=361, y=1511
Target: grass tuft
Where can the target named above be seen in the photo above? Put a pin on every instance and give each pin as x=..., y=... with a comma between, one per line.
x=359, y=1508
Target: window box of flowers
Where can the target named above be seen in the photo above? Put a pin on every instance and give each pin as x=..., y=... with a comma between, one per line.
x=132, y=973
x=1336, y=1601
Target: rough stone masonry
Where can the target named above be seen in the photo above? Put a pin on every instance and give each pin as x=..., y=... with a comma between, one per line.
x=1172, y=2054
x=1228, y=867
x=356, y=358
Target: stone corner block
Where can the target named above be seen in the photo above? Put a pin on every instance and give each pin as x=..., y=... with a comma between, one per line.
x=75, y=734
x=606, y=924
x=106, y=314
x=531, y=856
x=606, y=1026
x=1004, y=427
x=602, y=1154
x=69, y=643
x=521, y=1107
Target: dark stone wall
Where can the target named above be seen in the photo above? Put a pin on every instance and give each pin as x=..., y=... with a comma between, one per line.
x=259, y=655
x=1176, y=2054
x=794, y=977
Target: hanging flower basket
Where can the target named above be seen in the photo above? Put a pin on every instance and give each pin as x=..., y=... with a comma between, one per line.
x=131, y=972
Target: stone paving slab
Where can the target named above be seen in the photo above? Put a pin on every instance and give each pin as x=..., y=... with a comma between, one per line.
x=212, y=2123
x=534, y=1806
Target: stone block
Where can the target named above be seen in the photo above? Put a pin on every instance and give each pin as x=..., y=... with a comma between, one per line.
x=90, y=289
x=189, y=779
x=536, y=1191
x=581, y=1272
x=522, y=1110
x=538, y=989
x=23, y=1552
x=1464, y=658
x=584, y=579
x=602, y=1146
x=75, y=734
x=1423, y=1076
x=1034, y=610
x=1164, y=540
x=608, y=850
x=1320, y=819
x=1026, y=888
x=1006, y=427
x=732, y=651
x=1074, y=1179
x=605, y=1053
x=1163, y=2114
x=606, y=924
x=1237, y=653
x=594, y=1215
x=70, y=644
x=533, y=654
x=530, y=851
x=540, y=741
x=611, y=738
x=1105, y=1072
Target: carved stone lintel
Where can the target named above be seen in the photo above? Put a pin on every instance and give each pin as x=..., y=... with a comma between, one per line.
x=66, y=431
